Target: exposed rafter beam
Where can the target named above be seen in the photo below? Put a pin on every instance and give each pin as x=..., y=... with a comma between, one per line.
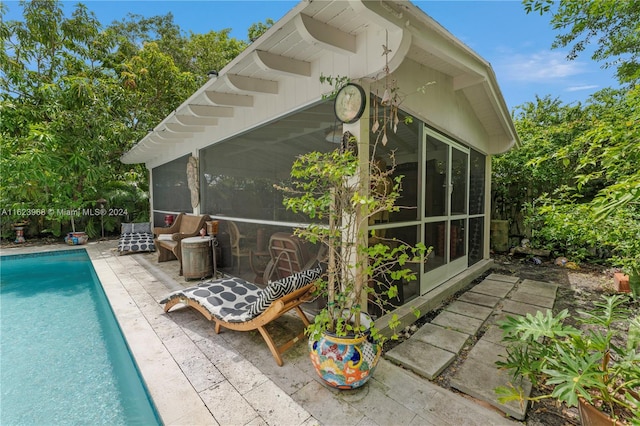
x=192, y=120
x=181, y=128
x=155, y=139
x=467, y=80
x=211, y=111
x=229, y=99
x=316, y=32
x=248, y=84
x=167, y=134
x=281, y=64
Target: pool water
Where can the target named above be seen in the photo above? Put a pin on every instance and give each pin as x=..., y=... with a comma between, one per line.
x=63, y=359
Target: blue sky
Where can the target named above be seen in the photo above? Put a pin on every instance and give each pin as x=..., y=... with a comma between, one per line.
x=517, y=45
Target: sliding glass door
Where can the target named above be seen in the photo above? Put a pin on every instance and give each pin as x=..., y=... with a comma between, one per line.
x=445, y=213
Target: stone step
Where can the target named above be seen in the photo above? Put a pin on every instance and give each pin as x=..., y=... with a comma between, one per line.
x=436, y=345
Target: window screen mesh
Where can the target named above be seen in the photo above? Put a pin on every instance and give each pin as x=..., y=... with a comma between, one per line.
x=170, y=189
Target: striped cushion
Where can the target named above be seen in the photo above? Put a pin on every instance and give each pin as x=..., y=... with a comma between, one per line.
x=277, y=289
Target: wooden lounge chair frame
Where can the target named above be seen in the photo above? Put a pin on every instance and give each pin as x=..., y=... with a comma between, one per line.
x=277, y=308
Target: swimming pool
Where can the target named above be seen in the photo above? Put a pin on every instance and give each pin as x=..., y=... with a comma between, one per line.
x=64, y=359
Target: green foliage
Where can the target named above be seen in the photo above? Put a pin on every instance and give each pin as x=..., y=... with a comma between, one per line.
x=211, y=51
x=576, y=176
x=578, y=231
x=597, y=362
x=330, y=187
x=576, y=171
x=611, y=153
x=614, y=26
x=75, y=96
x=336, y=82
x=60, y=141
x=259, y=28
x=528, y=171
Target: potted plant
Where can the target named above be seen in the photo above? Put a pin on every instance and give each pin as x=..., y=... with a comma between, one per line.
x=361, y=267
x=595, y=367
x=624, y=230
x=631, y=267
x=628, y=259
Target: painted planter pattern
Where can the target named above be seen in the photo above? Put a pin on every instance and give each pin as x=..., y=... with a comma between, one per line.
x=343, y=362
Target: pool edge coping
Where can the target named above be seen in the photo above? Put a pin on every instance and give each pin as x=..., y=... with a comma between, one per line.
x=174, y=397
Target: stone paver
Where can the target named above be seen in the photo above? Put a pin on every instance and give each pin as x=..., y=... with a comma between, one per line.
x=469, y=310
x=532, y=299
x=539, y=288
x=450, y=340
x=487, y=352
x=433, y=406
x=477, y=379
x=520, y=308
x=493, y=334
x=420, y=357
x=492, y=300
x=479, y=299
x=458, y=322
x=493, y=288
x=506, y=278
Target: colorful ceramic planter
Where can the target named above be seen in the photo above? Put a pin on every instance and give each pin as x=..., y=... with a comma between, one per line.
x=344, y=362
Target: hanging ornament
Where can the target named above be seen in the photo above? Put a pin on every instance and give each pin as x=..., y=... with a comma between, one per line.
x=386, y=98
x=376, y=124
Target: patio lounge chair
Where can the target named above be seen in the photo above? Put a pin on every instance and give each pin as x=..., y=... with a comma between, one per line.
x=236, y=304
x=168, y=239
x=135, y=238
x=289, y=255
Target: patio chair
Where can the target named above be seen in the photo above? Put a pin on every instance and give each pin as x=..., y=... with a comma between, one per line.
x=136, y=238
x=289, y=255
x=168, y=239
x=237, y=240
x=239, y=305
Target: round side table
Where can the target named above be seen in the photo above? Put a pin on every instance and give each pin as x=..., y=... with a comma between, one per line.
x=196, y=257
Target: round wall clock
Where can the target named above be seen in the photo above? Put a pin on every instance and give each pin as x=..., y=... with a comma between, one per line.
x=350, y=102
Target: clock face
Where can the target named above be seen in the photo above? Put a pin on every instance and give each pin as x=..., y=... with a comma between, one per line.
x=350, y=102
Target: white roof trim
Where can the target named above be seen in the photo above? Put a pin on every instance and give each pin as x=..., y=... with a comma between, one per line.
x=313, y=38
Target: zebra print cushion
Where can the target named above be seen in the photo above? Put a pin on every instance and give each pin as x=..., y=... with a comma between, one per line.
x=276, y=289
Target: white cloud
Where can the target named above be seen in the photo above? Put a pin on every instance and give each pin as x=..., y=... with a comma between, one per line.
x=579, y=88
x=543, y=66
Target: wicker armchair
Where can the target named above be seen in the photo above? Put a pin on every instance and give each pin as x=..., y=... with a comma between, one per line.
x=168, y=240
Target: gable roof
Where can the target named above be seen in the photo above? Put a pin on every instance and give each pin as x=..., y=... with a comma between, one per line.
x=281, y=69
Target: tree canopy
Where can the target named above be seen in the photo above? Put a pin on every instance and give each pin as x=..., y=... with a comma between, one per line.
x=612, y=25
x=574, y=181
x=573, y=185
x=74, y=96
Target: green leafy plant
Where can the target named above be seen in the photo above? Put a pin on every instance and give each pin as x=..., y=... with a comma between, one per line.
x=598, y=362
x=331, y=189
